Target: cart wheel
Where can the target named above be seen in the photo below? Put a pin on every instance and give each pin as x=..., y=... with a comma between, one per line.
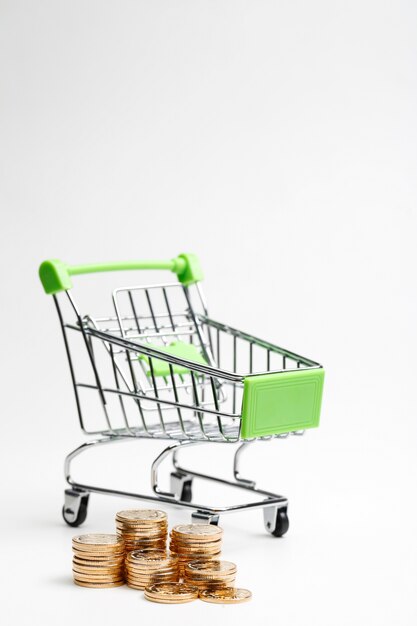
x=71, y=515
x=277, y=522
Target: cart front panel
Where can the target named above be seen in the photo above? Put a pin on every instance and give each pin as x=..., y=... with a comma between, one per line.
x=281, y=402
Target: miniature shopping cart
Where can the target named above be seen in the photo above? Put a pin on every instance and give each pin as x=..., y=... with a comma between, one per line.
x=158, y=367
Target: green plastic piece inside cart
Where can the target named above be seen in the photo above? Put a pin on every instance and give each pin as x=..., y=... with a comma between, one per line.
x=282, y=402
x=186, y=351
x=56, y=275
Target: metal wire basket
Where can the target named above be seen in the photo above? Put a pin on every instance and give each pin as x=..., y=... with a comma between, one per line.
x=159, y=367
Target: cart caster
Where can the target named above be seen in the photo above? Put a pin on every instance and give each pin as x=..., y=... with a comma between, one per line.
x=182, y=486
x=201, y=517
x=75, y=508
x=276, y=520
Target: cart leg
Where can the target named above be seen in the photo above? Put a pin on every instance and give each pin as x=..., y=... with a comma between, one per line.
x=236, y=466
x=75, y=507
x=276, y=520
x=202, y=517
x=182, y=486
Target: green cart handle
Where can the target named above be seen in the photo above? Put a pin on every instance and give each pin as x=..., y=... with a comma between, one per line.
x=55, y=275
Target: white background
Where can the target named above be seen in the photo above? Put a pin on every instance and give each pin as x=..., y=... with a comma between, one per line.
x=277, y=140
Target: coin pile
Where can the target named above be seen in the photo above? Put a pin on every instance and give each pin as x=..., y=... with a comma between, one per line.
x=191, y=542
x=171, y=593
x=210, y=574
x=142, y=529
x=146, y=567
x=98, y=560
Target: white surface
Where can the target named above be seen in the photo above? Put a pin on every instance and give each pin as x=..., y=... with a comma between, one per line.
x=277, y=141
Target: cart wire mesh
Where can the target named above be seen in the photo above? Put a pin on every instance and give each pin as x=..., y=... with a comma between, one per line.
x=160, y=367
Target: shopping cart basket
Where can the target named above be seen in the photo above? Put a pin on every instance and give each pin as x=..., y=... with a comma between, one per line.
x=158, y=367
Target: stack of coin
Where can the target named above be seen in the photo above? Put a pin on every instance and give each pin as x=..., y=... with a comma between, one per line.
x=191, y=542
x=98, y=560
x=142, y=529
x=210, y=574
x=146, y=567
x=171, y=593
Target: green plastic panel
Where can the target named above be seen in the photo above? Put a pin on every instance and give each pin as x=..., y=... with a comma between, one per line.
x=186, y=351
x=282, y=402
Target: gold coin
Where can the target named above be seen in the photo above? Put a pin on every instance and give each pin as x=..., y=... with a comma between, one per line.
x=153, y=578
x=230, y=595
x=99, y=554
x=97, y=540
x=202, y=531
x=196, y=556
x=150, y=557
x=92, y=576
x=133, y=574
x=211, y=568
x=138, y=544
x=96, y=570
x=142, y=522
x=152, y=575
x=118, y=559
x=160, y=600
x=144, y=536
x=172, y=592
x=98, y=564
x=209, y=578
x=142, y=515
x=154, y=526
x=195, y=543
x=99, y=585
x=142, y=584
x=189, y=552
x=145, y=570
x=210, y=584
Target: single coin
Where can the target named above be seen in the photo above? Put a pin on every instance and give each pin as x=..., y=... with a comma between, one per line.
x=144, y=536
x=154, y=578
x=229, y=595
x=96, y=570
x=142, y=515
x=139, y=544
x=210, y=584
x=82, y=576
x=161, y=575
x=99, y=585
x=149, y=557
x=195, y=541
x=150, y=572
x=171, y=592
x=178, y=600
x=193, y=553
x=146, y=540
x=100, y=557
x=208, y=579
x=98, y=564
x=208, y=531
x=138, y=527
x=211, y=568
x=215, y=582
x=97, y=539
